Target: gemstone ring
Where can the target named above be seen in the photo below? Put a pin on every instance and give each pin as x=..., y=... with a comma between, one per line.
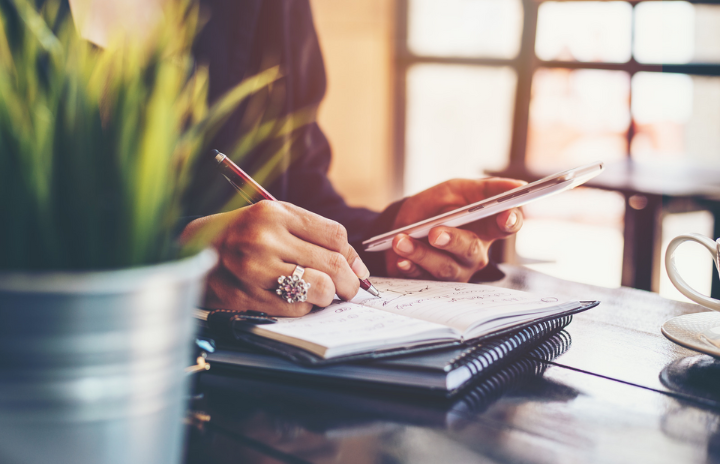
x=293, y=288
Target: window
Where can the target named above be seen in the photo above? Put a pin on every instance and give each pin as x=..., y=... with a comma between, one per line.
x=457, y=116
x=532, y=86
x=456, y=113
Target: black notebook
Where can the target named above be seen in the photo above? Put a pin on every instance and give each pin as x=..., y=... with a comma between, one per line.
x=411, y=316
x=443, y=371
x=355, y=406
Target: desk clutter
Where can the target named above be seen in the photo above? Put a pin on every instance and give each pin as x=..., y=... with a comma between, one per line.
x=424, y=337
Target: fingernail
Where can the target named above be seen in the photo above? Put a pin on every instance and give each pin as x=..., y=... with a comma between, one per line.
x=511, y=221
x=442, y=239
x=405, y=245
x=360, y=269
x=404, y=264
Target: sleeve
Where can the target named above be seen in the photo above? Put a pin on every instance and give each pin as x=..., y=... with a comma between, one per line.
x=242, y=38
x=309, y=187
x=307, y=184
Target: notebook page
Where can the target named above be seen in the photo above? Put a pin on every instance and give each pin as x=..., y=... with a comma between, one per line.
x=457, y=305
x=346, y=327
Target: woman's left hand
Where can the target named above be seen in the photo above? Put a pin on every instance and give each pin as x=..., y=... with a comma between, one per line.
x=452, y=254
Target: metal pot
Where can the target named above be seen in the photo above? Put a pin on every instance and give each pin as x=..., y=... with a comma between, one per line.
x=91, y=363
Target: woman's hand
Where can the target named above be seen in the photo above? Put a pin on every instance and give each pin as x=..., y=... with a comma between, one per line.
x=450, y=253
x=267, y=240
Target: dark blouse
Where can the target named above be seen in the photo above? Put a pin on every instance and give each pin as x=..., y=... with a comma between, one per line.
x=240, y=39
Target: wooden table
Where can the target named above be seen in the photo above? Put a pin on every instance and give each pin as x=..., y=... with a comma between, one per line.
x=620, y=393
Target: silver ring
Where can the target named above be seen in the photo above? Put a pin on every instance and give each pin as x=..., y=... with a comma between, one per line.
x=298, y=272
x=293, y=288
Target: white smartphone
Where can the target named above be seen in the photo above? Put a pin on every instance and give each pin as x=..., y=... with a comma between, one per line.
x=512, y=198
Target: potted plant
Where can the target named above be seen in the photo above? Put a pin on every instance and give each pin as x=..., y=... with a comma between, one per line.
x=96, y=298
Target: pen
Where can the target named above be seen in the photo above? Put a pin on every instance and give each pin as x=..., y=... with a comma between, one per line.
x=253, y=192
x=250, y=316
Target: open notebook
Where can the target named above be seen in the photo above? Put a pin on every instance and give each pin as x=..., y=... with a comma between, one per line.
x=412, y=313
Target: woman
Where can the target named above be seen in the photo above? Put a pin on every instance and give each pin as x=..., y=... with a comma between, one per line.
x=311, y=226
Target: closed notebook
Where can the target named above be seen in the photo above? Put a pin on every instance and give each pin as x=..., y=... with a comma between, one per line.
x=444, y=371
x=356, y=407
x=410, y=316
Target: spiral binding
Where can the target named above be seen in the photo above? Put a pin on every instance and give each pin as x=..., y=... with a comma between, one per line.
x=485, y=354
x=551, y=348
x=478, y=397
x=482, y=394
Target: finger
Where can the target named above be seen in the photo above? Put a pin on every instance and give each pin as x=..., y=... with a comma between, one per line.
x=221, y=291
x=509, y=222
x=224, y=291
x=500, y=226
x=344, y=280
x=439, y=264
x=398, y=266
x=265, y=276
x=466, y=247
x=322, y=290
x=410, y=270
x=325, y=233
x=269, y=302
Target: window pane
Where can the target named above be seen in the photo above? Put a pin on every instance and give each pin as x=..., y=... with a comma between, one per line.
x=458, y=122
x=465, y=28
x=577, y=117
x=584, y=31
x=555, y=236
x=676, y=118
x=677, y=32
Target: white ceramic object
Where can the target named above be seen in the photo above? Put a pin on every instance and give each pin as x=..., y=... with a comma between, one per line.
x=688, y=331
x=713, y=247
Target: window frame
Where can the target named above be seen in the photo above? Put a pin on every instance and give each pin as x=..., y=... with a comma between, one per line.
x=524, y=64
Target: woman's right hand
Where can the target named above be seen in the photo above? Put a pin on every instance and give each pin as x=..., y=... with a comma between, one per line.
x=262, y=242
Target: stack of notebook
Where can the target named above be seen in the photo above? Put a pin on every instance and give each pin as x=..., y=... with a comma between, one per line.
x=355, y=407
x=433, y=337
